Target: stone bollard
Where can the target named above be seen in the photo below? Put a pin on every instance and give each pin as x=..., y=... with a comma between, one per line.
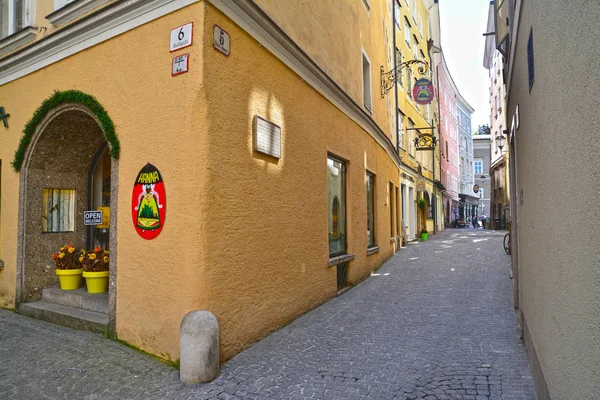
x=199, y=347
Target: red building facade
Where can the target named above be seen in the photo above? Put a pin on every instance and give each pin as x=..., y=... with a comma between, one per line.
x=448, y=133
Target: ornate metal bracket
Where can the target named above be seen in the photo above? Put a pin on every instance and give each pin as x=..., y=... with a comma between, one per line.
x=424, y=141
x=388, y=79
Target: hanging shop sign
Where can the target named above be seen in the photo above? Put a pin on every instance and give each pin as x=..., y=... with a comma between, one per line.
x=423, y=91
x=421, y=187
x=148, y=202
x=475, y=188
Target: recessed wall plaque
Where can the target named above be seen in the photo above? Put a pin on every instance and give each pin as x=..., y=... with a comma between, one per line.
x=267, y=137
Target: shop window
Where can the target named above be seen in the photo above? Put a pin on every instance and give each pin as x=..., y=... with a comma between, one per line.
x=371, y=242
x=337, y=206
x=58, y=210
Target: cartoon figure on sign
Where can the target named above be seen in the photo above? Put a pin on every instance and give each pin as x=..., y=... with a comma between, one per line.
x=423, y=91
x=148, y=203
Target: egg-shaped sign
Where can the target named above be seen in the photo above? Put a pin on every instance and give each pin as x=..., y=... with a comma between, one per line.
x=149, y=202
x=475, y=188
x=423, y=91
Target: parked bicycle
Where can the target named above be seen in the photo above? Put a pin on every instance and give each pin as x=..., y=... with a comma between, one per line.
x=507, y=248
x=507, y=241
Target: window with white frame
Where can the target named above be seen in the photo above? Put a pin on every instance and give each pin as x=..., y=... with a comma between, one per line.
x=366, y=74
x=411, y=139
x=415, y=48
x=414, y=10
x=420, y=24
x=366, y=3
x=407, y=32
x=13, y=16
x=409, y=81
x=401, y=135
x=397, y=14
x=399, y=77
x=61, y=3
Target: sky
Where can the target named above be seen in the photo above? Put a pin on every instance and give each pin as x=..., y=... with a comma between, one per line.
x=463, y=23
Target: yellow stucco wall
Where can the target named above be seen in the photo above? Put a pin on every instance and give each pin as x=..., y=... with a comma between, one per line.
x=334, y=35
x=245, y=237
x=267, y=221
x=158, y=119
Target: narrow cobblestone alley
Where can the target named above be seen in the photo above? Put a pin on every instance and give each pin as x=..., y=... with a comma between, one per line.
x=435, y=322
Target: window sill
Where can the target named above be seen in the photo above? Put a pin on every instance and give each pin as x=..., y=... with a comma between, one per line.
x=372, y=250
x=17, y=39
x=73, y=10
x=340, y=259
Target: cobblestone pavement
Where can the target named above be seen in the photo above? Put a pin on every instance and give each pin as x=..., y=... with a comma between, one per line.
x=435, y=322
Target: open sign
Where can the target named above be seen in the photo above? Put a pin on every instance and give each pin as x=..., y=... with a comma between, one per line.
x=92, y=217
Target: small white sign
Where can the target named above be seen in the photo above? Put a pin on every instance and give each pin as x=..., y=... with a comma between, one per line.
x=221, y=40
x=180, y=64
x=181, y=37
x=92, y=217
x=267, y=137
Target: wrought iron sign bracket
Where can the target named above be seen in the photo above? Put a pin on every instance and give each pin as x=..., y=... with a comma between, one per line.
x=425, y=141
x=388, y=79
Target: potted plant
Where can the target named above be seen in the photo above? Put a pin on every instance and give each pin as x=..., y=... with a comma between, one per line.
x=422, y=204
x=68, y=267
x=95, y=269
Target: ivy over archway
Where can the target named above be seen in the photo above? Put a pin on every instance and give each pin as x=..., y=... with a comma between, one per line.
x=67, y=97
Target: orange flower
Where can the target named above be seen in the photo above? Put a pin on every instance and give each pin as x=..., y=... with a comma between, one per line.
x=54, y=256
x=97, y=249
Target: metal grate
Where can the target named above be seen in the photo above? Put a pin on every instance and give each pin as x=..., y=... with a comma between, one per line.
x=530, y=64
x=342, y=276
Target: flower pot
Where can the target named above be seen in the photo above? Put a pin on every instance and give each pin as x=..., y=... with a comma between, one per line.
x=70, y=279
x=97, y=282
x=423, y=236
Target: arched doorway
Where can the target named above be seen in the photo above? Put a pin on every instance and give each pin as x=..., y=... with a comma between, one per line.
x=66, y=170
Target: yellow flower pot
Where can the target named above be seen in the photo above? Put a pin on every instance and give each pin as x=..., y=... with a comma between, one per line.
x=97, y=282
x=70, y=279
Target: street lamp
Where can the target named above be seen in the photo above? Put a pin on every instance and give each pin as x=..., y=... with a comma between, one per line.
x=501, y=141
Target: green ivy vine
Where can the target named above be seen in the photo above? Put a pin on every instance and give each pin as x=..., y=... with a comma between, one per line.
x=67, y=97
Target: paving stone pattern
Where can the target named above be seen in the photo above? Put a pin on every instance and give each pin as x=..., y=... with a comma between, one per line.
x=435, y=322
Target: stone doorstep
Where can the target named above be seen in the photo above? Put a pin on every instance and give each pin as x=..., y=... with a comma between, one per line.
x=76, y=318
x=78, y=298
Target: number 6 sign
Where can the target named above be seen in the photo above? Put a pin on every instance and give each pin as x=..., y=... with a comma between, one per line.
x=181, y=37
x=221, y=40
